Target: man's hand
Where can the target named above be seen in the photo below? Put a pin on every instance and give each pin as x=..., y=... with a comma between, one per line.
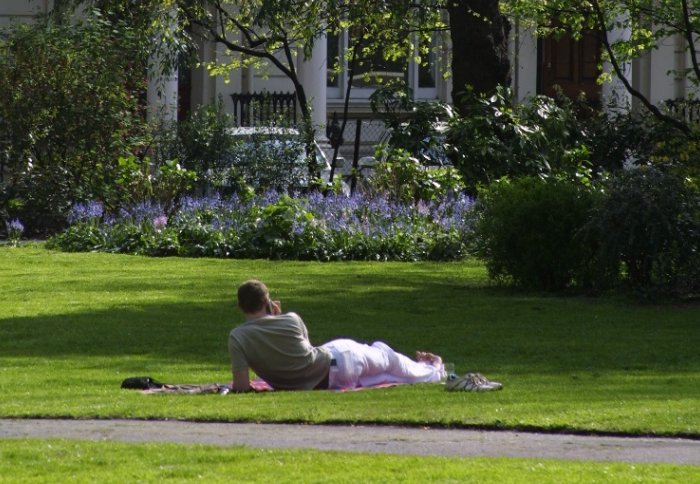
x=276, y=307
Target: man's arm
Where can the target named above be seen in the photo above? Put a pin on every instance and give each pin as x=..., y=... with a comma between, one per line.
x=241, y=380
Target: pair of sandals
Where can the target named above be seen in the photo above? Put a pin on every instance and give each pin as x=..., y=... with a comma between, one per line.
x=471, y=382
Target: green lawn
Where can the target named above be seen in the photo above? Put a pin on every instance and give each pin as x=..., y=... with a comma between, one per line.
x=73, y=326
x=60, y=461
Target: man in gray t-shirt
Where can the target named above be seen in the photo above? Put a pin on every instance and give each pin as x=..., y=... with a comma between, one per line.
x=276, y=347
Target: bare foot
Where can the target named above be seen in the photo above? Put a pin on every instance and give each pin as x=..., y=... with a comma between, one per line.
x=424, y=356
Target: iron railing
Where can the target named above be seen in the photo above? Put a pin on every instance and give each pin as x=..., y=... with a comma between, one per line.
x=686, y=109
x=265, y=109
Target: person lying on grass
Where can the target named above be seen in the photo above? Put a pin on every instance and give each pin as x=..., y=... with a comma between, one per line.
x=276, y=347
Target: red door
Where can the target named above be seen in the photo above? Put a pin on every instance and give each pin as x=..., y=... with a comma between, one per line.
x=572, y=65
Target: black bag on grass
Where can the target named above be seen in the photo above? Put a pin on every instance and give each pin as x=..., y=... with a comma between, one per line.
x=141, y=383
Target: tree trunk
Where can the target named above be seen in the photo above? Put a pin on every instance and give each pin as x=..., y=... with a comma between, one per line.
x=479, y=36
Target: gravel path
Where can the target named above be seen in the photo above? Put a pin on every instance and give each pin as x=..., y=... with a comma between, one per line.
x=373, y=439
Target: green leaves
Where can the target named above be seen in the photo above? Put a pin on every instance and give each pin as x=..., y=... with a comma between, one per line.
x=499, y=138
x=649, y=224
x=526, y=231
x=72, y=111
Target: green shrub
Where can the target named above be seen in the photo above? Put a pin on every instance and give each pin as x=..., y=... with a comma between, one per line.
x=78, y=238
x=526, y=231
x=70, y=108
x=404, y=178
x=675, y=152
x=140, y=180
x=414, y=164
x=269, y=160
x=616, y=137
x=204, y=143
x=415, y=127
x=648, y=223
x=498, y=138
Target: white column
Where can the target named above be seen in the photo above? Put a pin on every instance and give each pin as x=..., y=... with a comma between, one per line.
x=641, y=80
x=523, y=46
x=614, y=94
x=162, y=83
x=248, y=80
x=683, y=82
x=203, y=83
x=312, y=74
x=162, y=95
x=662, y=75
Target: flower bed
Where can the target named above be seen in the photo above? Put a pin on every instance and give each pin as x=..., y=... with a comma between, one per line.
x=309, y=227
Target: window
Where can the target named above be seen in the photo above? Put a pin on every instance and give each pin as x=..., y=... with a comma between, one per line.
x=373, y=71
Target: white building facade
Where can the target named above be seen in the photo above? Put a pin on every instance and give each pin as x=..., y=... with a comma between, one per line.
x=537, y=65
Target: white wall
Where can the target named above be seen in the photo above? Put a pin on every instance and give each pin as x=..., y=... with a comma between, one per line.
x=663, y=65
x=12, y=11
x=614, y=91
x=272, y=80
x=203, y=85
x=523, y=54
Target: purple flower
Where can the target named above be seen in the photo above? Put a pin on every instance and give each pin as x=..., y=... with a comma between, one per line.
x=85, y=212
x=355, y=226
x=298, y=228
x=269, y=198
x=15, y=229
x=14, y=225
x=423, y=208
x=142, y=212
x=160, y=222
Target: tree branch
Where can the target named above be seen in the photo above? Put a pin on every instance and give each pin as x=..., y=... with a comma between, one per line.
x=689, y=38
x=251, y=52
x=346, y=106
x=621, y=75
x=252, y=39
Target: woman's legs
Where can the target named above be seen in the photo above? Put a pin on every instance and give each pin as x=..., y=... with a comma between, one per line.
x=363, y=365
x=402, y=369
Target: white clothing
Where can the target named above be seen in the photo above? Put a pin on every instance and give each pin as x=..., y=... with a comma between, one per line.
x=360, y=365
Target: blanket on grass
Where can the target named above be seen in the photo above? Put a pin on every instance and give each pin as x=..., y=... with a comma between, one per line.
x=148, y=385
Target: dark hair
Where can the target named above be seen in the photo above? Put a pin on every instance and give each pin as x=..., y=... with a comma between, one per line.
x=252, y=296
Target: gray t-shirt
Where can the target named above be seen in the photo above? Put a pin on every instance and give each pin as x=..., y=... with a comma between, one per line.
x=278, y=350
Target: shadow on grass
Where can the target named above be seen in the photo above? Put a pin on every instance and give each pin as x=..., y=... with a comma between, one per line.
x=174, y=330
x=479, y=329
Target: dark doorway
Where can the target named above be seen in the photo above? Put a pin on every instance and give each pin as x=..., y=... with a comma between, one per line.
x=571, y=64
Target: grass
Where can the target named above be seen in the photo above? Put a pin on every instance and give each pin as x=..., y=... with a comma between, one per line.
x=62, y=461
x=73, y=326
